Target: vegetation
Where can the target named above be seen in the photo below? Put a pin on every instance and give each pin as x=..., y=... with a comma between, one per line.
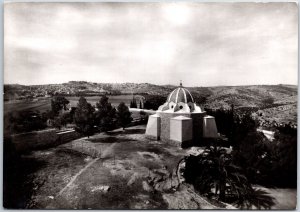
x=154, y=101
x=58, y=103
x=276, y=164
x=24, y=121
x=264, y=162
x=133, y=103
x=144, y=117
x=214, y=173
x=105, y=116
x=123, y=115
x=83, y=117
x=268, y=102
x=141, y=106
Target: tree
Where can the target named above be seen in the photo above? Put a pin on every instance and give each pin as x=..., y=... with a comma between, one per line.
x=84, y=118
x=214, y=170
x=24, y=121
x=58, y=103
x=282, y=169
x=141, y=107
x=133, y=103
x=105, y=116
x=144, y=116
x=123, y=114
x=57, y=122
x=154, y=101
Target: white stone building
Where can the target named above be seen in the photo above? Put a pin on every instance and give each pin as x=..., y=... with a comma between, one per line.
x=181, y=120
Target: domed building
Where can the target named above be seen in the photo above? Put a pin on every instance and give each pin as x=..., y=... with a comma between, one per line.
x=181, y=120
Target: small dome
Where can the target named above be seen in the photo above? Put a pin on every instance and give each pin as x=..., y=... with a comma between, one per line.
x=180, y=94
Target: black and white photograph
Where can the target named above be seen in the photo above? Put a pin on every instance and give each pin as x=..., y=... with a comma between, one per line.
x=150, y=105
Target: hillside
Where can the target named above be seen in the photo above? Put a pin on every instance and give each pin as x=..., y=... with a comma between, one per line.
x=271, y=102
x=251, y=96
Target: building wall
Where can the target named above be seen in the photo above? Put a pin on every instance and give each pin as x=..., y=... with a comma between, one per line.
x=181, y=130
x=165, y=124
x=153, y=127
x=197, y=124
x=42, y=139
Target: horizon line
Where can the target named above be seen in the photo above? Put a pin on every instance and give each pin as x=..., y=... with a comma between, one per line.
x=143, y=83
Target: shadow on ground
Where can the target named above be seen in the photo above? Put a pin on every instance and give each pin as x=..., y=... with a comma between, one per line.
x=109, y=140
x=127, y=131
x=18, y=178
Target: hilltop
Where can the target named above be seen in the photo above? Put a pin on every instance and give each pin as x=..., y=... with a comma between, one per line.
x=272, y=102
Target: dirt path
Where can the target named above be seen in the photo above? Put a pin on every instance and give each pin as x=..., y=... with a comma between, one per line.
x=76, y=175
x=138, y=173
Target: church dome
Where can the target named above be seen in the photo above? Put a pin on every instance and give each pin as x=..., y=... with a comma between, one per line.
x=180, y=94
x=180, y=100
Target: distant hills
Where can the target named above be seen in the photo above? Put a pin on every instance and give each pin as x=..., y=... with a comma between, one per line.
x=270, y=100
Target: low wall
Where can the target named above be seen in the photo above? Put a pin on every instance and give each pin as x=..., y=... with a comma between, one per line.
x=42, y=139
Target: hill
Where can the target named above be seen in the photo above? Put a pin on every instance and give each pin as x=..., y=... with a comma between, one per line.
x=269, y=102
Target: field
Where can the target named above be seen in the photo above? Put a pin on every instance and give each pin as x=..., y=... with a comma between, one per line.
x=44, y=104
x=41, y=105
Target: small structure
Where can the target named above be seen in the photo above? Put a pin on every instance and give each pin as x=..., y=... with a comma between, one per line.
x=181, y=120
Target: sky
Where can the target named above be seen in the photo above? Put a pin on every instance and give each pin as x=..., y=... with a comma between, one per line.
x=202, y=44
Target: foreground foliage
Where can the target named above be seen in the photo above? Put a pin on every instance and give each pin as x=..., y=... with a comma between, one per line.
x=213, y=173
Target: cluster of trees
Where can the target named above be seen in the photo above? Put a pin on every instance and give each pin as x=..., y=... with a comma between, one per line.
x=24, y=121
x=271, y=163
x=152, y=102
x=86, y=118
x=253, y=160
x=103, y=117
x=133, y=104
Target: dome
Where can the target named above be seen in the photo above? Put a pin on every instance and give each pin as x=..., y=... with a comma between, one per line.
x=180, y=100
x=180, y=94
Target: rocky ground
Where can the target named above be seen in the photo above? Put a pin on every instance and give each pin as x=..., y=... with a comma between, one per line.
x=116, y=170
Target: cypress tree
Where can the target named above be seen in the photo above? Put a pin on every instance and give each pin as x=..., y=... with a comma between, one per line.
x=84, y=117
x=106, y=115
x=124, y=116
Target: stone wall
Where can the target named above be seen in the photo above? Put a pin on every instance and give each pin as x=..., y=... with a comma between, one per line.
x=197, y=124
x=67, y=136
x=42, y=139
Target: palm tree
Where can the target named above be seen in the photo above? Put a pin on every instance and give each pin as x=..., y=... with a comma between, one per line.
x=213, y=173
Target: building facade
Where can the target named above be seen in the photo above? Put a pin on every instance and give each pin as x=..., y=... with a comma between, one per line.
x=181, y=120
